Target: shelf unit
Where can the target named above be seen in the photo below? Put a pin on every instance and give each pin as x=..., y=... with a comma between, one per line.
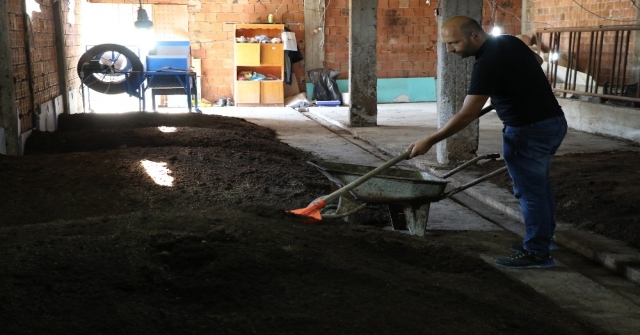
x=264, y=58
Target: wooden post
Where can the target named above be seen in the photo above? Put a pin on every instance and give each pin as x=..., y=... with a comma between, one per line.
x=63, y=73
x=28, y=45
x=8, y=114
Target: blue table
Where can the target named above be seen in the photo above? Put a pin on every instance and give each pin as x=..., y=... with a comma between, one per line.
x=171, y=82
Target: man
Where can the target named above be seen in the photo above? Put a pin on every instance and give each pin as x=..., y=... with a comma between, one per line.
x=509, y=73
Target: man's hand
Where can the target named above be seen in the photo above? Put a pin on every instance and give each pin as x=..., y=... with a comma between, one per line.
x=471, y=109
x=420, y=147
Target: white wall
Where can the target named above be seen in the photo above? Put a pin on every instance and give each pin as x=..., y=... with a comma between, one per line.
x=114, y=23
x=619, y=122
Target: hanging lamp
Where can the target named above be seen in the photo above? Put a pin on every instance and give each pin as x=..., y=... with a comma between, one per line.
x=143, y=21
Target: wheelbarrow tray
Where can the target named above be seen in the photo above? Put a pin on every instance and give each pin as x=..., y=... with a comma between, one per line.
x=390, y=186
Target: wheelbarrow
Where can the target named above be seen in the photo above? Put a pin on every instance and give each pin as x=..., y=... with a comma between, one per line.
x=408, y=194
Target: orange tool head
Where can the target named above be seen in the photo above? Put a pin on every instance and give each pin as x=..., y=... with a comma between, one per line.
x=312, y=211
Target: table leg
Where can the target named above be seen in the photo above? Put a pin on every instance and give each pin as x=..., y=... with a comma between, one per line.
x=188, y=87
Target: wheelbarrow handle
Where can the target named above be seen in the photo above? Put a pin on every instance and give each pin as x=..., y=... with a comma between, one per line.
x=405, y=155
x=486, y=110
x=473, y=182
x=485, y=156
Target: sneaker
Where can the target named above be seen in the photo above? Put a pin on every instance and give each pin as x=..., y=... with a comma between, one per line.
x=525, y=260
x=519, y=247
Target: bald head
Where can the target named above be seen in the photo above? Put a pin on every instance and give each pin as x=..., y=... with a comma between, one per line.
x=463, y=23
x=462, y=35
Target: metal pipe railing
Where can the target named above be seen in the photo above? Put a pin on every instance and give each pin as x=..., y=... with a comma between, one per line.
x=599, y=62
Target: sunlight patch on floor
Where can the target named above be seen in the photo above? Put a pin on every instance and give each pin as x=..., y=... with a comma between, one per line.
x=158, y=171
x=168, y=129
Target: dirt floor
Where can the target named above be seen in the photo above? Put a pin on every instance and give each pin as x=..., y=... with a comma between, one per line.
x=90, y=244
x=596, y=192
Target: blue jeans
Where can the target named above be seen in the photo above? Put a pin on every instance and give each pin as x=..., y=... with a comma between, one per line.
x=528, y=151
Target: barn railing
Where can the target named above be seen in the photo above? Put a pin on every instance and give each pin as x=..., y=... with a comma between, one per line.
x=596, y=64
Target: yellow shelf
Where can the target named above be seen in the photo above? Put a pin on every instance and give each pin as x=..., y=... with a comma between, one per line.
x=263, y=58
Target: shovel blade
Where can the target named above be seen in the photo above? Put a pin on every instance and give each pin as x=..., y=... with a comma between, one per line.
x=312, y=211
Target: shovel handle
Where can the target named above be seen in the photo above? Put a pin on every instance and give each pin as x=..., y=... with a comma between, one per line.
x=367, y=176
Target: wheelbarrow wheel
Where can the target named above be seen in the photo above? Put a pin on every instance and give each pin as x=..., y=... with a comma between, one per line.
x=329, y=209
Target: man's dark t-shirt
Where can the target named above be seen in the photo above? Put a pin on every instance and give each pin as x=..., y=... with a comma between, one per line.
x=507, y=70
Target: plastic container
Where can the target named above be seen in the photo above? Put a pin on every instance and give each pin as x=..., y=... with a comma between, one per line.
x=330, y=103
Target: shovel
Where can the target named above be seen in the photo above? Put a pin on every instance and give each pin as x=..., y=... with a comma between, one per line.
x=313, y=210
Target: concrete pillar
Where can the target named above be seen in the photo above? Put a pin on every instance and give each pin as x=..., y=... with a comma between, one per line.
x=526, y=25
x=8, y=115
x=314, y=43
x=454, y=74
x=363, y=81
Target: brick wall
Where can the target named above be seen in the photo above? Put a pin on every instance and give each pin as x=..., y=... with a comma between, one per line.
x=407, y=35
x=44, y=67
x=211, y=29
x=504, y=13
x=38, y=82
x=211, y=34
x=20, y=65
x=588, y=13
x=567, y=13
x=38, y=43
